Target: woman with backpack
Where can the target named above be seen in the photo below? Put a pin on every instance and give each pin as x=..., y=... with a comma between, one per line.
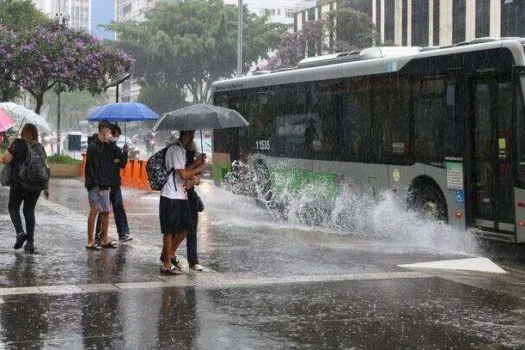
x=29, y=176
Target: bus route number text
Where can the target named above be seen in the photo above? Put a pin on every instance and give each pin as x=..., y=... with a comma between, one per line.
x=262, y=145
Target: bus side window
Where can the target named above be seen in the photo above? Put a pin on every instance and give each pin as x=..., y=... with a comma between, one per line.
x=429, y=123
x=357, y=120
x=392, y=110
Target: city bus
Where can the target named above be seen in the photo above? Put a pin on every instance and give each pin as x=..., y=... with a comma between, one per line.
x=442, y=127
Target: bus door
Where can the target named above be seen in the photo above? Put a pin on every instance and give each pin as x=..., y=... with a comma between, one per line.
x=489, y=175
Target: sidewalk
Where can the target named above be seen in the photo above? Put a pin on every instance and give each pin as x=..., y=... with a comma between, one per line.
x=60, y=239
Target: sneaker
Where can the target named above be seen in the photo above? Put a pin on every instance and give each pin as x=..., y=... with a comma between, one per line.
x=29, y=247
x=196, y=267
x=125, y=238
x=20, y=239
x=98, y=241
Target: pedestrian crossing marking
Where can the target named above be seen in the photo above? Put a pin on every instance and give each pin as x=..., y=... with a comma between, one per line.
x=469, y=264
x=201, y=280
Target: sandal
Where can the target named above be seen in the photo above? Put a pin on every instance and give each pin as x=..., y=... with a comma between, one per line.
x=110, y=245
x=172, y=271
x=174, y=261
x=93, y=247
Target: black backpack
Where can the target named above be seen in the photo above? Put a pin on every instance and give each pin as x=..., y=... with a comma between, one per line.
x=34, y=173
x=158, y=175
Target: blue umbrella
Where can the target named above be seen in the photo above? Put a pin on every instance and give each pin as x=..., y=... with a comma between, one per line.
x=123, y=112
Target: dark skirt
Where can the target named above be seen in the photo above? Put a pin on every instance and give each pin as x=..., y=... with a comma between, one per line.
x=174, y=216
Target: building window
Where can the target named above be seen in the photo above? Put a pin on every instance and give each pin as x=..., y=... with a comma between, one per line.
x=420, y=23
x=390, y=26
x=311, y=14
x=458, y=21
x=512, y=18
x=405, y=22
x=278, y=12
x=378, y=16
x=482, y=18
x=436, y=23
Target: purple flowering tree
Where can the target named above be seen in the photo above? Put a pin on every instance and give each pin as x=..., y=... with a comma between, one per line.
x=59, y=58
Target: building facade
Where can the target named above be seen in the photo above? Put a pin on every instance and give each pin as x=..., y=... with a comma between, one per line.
x=133, y=10
x=431, y=22
x=280, y=11
x=78, y=12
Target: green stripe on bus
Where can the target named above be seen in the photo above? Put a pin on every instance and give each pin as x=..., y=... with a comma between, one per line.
x=294, y=180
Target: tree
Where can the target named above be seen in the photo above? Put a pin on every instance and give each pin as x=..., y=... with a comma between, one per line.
x=17, y=16
x=162, y=98
x=21, y=15
x=353, y=29
x=309, y=41
x=343, y=30
x=75, y=106
x=190, y=44
x=59, y=58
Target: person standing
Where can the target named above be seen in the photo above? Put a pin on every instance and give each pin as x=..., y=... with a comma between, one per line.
x=120, y=159
x=174, y=210
x=99, y=170
x=20, y=191
x=196, y=206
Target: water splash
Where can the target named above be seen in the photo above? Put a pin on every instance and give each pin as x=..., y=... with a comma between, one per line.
x=352, y=212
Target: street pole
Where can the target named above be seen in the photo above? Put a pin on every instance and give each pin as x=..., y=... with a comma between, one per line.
x=59, y=134
x=239, y=40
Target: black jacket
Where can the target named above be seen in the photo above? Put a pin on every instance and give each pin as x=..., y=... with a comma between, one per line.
x=120, y=159
x=99, y=165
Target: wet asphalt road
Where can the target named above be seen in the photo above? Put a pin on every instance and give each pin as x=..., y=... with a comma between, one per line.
x=268, y=283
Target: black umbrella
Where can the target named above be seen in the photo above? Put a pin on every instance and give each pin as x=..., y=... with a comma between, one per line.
x=200, y=116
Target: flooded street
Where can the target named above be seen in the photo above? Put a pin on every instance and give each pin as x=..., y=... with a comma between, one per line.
x=267, y=283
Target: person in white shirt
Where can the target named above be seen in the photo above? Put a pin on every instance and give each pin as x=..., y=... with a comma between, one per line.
x=174, y=209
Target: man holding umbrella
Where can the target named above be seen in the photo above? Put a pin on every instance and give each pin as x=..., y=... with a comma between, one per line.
x=175, y=221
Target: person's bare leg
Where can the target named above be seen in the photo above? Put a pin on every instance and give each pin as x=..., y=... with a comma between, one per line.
x=166, y=250
x=104, y=228
x=177, y=240
x=91, y=225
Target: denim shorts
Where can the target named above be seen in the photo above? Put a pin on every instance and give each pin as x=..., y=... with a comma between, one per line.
x=99, y=199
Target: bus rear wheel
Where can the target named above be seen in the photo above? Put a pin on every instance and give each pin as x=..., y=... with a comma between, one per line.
x=428, y=200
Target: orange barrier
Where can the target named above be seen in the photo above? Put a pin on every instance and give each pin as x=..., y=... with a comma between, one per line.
x=134, y=175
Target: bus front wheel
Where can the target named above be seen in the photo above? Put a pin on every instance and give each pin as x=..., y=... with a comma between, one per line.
x=428, y=200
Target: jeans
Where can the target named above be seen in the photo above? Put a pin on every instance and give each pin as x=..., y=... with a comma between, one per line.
x=191, y=240
x=119, y=213
x=17, y=195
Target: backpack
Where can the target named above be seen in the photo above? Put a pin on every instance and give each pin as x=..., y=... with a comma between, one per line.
x=158, y=175
x=34, y=173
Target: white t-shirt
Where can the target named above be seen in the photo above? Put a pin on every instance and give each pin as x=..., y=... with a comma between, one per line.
x=176, y=159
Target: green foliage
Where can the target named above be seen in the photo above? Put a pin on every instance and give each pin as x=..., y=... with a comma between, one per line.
x=18, y=16
x=55, y=57
x=343, y=30
x=63, y=159
x=162, y=98
x=190, y=44
x=353, y=29
x=74, y=107
x=21, y=15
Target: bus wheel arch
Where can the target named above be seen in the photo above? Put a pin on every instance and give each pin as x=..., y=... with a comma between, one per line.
x=425, y=196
